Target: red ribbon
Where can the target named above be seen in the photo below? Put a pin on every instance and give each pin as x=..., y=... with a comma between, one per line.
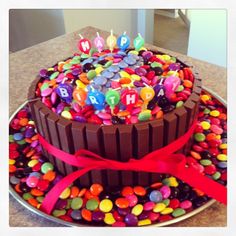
x=160, y=161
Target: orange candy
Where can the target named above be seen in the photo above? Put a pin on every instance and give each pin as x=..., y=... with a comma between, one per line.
x=17, y=188
x=12, y=168
x=195, y=155
x=139, y=190
x=83, y=78
x=122, y=202
x=210, y=136
x=96, y=189
x=86, y=214
x=37, y=193
x=82, y=192
x=125, y=81
x=156, y=185
x=127, y=190
x=50, y=175
x=74, y=191
x=187, y=83
x=159, y=114
x=33, y=202
x=23, y=121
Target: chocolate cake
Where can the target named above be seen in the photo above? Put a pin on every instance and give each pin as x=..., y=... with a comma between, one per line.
x=119, y=137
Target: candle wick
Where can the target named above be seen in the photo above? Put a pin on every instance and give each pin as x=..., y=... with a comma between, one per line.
x=146, y=85
x=81, y=36
x=98, y=34
x=92, y=88
x=124, y=33
x=139, y=35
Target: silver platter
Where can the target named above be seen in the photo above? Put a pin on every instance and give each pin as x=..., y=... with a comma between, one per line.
x=57, y=220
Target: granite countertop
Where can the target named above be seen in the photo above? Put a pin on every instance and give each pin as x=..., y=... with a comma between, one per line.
x=24, y=66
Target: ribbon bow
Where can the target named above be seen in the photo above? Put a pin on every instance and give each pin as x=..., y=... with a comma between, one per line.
x=160, y=161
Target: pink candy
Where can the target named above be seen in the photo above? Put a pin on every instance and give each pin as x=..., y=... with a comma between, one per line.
x=46, y=92
x=216, y=129
x=104, y=116
x=186, y=204
x=148, y=206
x=133, y=200
x=165, y=191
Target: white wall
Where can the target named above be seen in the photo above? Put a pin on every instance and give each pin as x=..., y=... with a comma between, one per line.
x=208, y=36
x=30, y=27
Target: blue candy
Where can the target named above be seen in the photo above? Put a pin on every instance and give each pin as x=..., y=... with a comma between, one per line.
x=155, y=196
x=18, y=136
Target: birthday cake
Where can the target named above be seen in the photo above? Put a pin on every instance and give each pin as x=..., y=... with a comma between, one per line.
x=120, y=103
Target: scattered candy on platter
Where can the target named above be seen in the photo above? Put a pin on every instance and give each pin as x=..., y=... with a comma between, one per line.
x=116, y=85
x=32, y=176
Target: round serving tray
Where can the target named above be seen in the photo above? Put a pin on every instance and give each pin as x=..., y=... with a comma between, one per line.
x=66, y=223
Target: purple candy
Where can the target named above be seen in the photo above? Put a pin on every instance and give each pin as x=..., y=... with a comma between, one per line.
x=61, y=204
x=140, y=71
x=98, y=216
x=123, y=211
x=131, y=220
x=60, y=108
x=34, y=143
x=43, y=73
x=147, y=55
x=138, y=84
x=29, y=132
x=144, y=215
x=77, y=71
x=174, y=66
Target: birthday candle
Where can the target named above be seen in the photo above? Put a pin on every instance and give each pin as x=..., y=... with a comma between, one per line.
x=111, y=41
x=138, y=42
x=123, y=42
x=84, y=45
x=99, y=42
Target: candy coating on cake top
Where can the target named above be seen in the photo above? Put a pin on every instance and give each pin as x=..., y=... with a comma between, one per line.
x=119, y=87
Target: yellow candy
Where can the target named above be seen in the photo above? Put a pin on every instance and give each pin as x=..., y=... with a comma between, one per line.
x=105, y=205
x=134, y=52
x=137, y=210
x=218, y=136
x=80, y=84
x=12, y=162
x=124, y=74
x=160, y=57
x=171, y=72
x=205, y=98
x=65, y=194
x=222, y=157
x=32, y=163
x=173, y=182
x=98, y=70
x=167, y=211
x=31, y=122
x=215, y=113
x=144, y=222
x=109, y=219
x=205, y=125
x=166, y=57
x=159, y=207
x=66, y=114
x=135, y=77
x=223, y=146
x=51, y=69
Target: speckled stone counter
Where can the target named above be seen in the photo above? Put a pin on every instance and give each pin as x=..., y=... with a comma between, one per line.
x=24, y=66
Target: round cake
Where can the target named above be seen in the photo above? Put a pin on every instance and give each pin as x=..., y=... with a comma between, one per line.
x=120, y=105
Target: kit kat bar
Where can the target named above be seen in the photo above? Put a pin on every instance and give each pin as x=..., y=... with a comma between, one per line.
x=79, y=141
x=94, y=144
x=37, y=106
x=31, y=95
x=125, y=146
x=170, y=126
x=110, y=141
x=141, y=148
x=44, y=112
x=156, y=142
x=181, y=114
x=64, y=131
x=54, y=137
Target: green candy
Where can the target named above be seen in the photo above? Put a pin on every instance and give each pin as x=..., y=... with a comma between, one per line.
x=109, y=63
x=67, y=66
x=180, y=88
x=217, y=175
x=27, y=196
x=156, y=64
x=91, y=74
x=205, y=162
x=66, y=109
x=40, y=199
x=21, y=142
x=54, y=75
x=199, y=137
x=92, y=51
x=179, y=104
x=67, y=72
x=11, y=138
x=44, y=86
x=173, y=59
x=206, y=111
x=178, y=212
x=84, y=56
x=144, y=115
x=58, y=213
x=76, y=203
x=166, y=181
x=47, y=166
x=68, y=206
x=75, y=61
x=166, y=202
x=92, y=204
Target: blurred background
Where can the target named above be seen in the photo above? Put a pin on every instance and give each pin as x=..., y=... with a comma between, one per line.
x=201, y=34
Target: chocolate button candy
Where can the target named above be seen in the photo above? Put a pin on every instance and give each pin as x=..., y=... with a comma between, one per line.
x=76, y=215
x=14, y=180
x=98, y=216
x=131, y=220
x=87, y=67
x=19, y=174
x=114, y=69
x=178, y=212
x=24, y=188
x=158, y=70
